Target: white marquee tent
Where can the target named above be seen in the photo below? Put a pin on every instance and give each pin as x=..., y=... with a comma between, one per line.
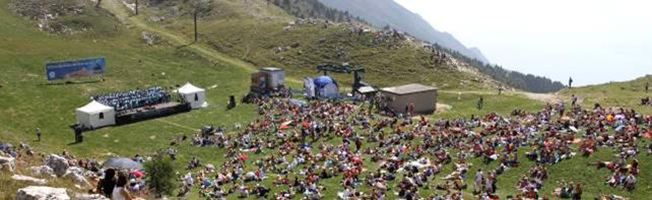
x=193, y=95
x=94, y=115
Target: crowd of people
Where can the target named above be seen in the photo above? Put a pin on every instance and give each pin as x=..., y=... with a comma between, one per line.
x=133, y=99
x=305, y=147
x=359, y=153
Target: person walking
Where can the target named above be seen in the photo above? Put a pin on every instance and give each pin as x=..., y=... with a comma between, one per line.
x=478, y=183
x=38, y=134
x=480, y=103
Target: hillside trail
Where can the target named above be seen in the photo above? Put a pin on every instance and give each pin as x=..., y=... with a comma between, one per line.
x=121, y=12
x=542, y=97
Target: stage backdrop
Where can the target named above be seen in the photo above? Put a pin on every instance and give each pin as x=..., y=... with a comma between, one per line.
x=75, y=69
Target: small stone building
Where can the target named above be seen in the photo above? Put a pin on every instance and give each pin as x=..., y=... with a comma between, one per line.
x=424, y=98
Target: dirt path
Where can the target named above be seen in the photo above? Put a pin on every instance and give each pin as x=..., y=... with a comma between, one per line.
x=120, y=11
x=543, y=97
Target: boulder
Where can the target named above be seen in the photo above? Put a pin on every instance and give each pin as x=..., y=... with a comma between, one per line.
x=76, y=170
x=7, y=163
x=29, y=179
x=78, y=178
x=90, y=197
x=58, y=164
x=42, y=171
x=151, y=39
x=42, y=193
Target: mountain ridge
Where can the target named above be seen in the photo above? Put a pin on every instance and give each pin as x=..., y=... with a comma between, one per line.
x=388, y=12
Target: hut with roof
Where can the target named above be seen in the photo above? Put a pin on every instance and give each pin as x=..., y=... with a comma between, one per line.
x=422, y=98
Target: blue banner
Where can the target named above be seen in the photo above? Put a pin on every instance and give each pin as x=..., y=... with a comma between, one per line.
x=75, y=69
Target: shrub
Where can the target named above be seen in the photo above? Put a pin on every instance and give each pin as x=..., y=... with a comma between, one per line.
x=160, y=175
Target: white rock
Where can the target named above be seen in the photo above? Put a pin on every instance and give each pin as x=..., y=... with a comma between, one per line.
x=76, y=170
x=58, y=164
x=90, y=197
x=7, y=163
x=29, y=179
x=42, y=171
x=78, y=178
x=42, y=193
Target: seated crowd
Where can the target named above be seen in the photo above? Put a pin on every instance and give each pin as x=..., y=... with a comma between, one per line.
x=133, y=99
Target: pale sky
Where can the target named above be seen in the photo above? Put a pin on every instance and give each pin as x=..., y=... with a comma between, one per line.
x=594, y=41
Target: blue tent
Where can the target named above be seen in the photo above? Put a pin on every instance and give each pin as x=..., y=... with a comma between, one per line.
x=326, y=86
x=323, y=81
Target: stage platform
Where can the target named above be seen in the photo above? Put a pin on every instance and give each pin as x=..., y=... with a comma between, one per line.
x=150, y=112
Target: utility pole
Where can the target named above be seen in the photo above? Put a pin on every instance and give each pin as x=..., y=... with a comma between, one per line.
x=195, y=23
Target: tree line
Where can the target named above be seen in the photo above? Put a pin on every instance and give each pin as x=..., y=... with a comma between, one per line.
x=314, y=9
x=518, y=80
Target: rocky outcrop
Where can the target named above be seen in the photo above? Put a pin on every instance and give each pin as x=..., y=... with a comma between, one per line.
x=7, y=164
x=42, y=193
x=42, y=171
x=58, y=164
x=78, y=178
x=152, y=39
x=32, y=180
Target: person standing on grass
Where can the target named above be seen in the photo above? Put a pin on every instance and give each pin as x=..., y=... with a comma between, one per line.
x=480, y=103
x=647, y=87
x=38, y=134
x=570, y=82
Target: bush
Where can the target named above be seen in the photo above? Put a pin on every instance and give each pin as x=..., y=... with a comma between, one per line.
x=160, y=176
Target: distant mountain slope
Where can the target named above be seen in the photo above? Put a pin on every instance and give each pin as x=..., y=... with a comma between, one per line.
x=387, y=12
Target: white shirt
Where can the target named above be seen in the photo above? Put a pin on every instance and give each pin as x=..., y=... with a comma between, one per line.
x=117, y=193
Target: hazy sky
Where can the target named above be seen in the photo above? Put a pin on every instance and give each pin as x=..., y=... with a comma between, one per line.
x=594, y=41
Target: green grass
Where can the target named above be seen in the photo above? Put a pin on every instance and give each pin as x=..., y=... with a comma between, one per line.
x=466, y=105
x=228, y=51
x=254, y=39
x=28, y=101
x=615, y=94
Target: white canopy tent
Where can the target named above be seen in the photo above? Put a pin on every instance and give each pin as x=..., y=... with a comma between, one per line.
x=94, y=115
x=193, y=95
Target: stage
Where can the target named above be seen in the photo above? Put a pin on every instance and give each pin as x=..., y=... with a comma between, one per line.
x=150, y=112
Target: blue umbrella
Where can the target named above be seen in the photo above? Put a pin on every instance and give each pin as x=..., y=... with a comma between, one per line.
x=122, y=163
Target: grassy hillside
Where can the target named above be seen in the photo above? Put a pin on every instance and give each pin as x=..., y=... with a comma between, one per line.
x=267, y=39
x=616, y=94
x=27, y=101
